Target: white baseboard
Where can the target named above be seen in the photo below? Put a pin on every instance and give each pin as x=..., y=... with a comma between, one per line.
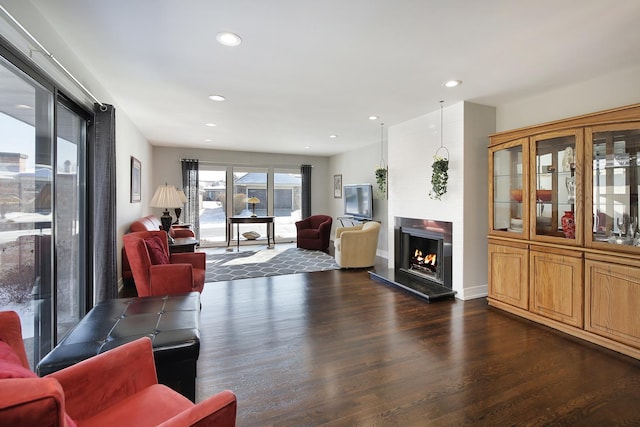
x=473, y=292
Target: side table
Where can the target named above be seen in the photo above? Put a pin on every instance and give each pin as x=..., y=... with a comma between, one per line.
x=183, y=244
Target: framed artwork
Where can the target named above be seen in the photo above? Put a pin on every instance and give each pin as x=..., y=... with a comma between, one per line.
x=136, y=179
x=337, y=186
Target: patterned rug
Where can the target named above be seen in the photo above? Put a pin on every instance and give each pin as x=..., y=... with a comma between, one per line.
x=268, y=262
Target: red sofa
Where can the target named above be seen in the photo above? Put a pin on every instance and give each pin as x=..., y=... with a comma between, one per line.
x=150, y=223
x=116, y=388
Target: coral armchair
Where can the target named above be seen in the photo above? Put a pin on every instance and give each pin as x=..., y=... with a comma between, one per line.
x=157, y=272
x=116, y=388
x=314, y=232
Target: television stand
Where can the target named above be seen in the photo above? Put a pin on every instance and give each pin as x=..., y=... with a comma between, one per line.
x=352, y=221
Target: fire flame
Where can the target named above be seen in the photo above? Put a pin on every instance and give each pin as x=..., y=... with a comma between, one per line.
x=429, y=259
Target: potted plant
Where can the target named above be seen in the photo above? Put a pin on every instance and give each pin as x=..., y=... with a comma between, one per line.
x=439, y=177
x=381, y=180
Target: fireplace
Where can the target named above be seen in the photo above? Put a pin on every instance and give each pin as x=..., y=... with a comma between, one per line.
x=422, y=259
x=423, y=249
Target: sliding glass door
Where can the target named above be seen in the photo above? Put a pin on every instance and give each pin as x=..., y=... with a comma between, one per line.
x=287, y=201
x=213, y=204
x=42, y=227
x=70, y=205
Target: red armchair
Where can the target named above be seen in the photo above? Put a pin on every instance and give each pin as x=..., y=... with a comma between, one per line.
x=156, y=271
x=314, y=232
x=151, y=223
x=118, y=387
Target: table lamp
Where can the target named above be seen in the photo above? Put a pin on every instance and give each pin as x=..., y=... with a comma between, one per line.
x=253, y=201
x=183, y=199
x=166, y=197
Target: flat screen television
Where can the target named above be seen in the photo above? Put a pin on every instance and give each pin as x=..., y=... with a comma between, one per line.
x=358, y=201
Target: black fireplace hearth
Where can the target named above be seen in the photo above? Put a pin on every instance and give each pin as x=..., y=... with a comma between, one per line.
x=422, y=258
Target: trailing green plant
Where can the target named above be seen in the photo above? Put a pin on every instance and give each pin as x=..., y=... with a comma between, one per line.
x=439, y=177
x=381, y=180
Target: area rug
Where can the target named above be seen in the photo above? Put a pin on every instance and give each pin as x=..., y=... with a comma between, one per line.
x=268, y=262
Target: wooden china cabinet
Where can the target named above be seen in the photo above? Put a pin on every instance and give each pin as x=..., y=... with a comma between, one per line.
x=564, y=246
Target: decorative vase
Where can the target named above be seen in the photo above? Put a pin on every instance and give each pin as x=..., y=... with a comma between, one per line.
x=568, y=225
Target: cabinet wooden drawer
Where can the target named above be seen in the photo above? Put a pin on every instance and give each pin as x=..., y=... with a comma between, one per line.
x=508, y=274
x=556, y=285
x=612, y=298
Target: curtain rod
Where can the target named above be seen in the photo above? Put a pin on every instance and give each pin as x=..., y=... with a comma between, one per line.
x=48, y=54
x=206, y=162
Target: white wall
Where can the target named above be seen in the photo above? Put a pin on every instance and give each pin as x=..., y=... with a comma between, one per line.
x=358, y=167
x=613, y=90
x=412, y=146
x=167, y=168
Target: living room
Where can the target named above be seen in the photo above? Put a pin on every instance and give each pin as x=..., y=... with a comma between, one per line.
x=407, y=143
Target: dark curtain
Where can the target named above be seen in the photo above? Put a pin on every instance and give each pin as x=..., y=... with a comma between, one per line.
x=102, y=202
x=305, y=171
x=190, y=184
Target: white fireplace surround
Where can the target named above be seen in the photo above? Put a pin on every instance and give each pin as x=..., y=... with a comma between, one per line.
x=411, y=147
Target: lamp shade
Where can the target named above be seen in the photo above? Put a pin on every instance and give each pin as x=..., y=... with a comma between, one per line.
x=183, y=197
x=253, y=200
x=166, y=196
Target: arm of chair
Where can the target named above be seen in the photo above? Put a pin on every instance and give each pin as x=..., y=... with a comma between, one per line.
x=218, y=410
x=96, y=383
x=31, y=402
x=341, y=230
x=323, y=227
x=179, y=232
x=303, y=224
x=170, y=279
x=197, y=259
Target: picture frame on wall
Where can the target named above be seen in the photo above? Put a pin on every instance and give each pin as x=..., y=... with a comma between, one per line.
x=337, y=186
x=136, y=180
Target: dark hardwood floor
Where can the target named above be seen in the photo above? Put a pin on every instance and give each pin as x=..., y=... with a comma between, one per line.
x=339, y=349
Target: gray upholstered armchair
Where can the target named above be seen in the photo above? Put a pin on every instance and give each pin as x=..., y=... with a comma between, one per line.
x=355, y=247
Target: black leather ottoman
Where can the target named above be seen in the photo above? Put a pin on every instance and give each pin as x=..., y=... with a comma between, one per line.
x=172, y=322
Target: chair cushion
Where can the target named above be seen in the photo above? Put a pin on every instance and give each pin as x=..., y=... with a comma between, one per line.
x=10, y=367
x=156, y=251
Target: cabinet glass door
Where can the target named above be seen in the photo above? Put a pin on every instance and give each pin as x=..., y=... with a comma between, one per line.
x=613, y=202
x=508, y=190
x=555, y=198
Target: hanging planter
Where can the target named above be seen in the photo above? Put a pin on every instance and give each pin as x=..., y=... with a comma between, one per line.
x=439, y=177
x=440, y=167
x=381, y=180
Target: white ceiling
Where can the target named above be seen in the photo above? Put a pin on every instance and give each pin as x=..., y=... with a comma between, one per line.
x=308, y=69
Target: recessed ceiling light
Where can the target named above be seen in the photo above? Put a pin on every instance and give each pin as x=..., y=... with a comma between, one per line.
x=452, y=83
x=211, y=124
x=217, y=97
x=208, y=140
x=306, y=147
x=373, y=117
x=333, y=136
x=228, y=39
